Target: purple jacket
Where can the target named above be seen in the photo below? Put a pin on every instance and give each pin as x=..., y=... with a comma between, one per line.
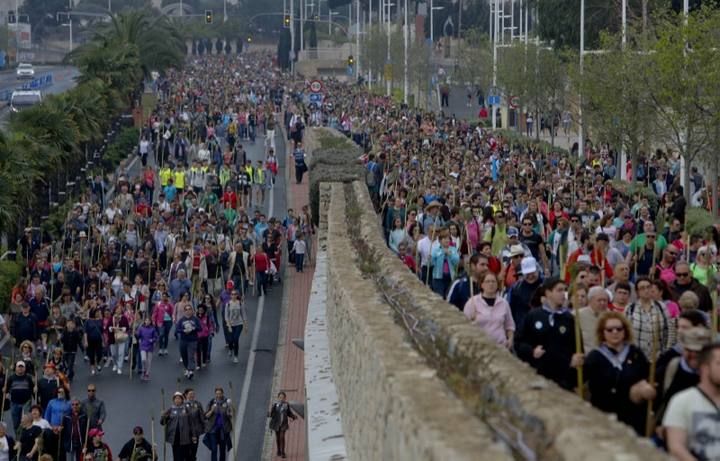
x=147, y=336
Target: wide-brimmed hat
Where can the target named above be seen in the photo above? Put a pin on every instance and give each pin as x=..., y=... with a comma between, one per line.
x=433, y=204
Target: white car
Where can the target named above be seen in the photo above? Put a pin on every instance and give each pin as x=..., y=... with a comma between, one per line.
x=25, y=71
x=21, y=99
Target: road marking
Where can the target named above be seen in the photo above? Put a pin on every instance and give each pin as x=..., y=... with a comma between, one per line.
x=245, y=392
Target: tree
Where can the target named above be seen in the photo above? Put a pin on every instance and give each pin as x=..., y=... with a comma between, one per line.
x=618, y=108
x=538, y=77
x=475, y=59
x=682, y=83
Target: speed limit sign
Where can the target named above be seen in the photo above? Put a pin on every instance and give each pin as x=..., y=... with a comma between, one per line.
x=514, y=102
x=316, y=86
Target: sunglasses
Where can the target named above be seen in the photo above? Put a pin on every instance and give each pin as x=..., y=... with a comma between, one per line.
x=682, y=274
x=614, y=329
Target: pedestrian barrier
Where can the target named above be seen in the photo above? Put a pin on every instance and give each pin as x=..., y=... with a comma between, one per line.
x=37, y=83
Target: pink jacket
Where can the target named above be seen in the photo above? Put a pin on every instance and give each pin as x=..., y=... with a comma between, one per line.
x=158, y=315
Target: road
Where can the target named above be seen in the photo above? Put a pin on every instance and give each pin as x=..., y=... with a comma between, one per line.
x=63, y=80
x=131, y=403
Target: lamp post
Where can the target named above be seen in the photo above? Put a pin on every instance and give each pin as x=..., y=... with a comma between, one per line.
x=581, y=141
x=432, y=21
x=357, y=39
x=369, y=29
x=406, y=84
x=494, y=74
x=388, y=82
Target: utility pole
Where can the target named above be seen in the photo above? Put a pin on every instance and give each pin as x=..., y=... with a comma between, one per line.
x=302, y=25
x=388, y=81
x=406, y=32
x=358, y=18
x=581, y=141
x=494, y=76
x=225, y=16
x=292, y=36
x=367, y=36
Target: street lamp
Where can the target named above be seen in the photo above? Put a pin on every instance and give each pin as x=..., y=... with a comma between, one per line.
x=432, y=20
x=330, y=15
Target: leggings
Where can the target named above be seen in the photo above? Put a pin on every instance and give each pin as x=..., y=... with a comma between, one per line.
x=203, y=350
x=146, y=358
x=94, y=351
x=280, y=439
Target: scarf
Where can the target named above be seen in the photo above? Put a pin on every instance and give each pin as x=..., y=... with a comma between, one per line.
x=616, y=359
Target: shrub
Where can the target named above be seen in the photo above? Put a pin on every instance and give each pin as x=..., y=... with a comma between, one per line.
x=10, y=271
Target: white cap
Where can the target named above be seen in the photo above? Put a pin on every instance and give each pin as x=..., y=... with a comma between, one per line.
x=516, y=250
x=528, y=265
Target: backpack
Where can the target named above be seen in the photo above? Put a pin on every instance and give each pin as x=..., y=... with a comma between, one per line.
x=370, y=178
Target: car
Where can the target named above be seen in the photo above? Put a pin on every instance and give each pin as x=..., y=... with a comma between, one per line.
x=25, y=71
x=21, y=99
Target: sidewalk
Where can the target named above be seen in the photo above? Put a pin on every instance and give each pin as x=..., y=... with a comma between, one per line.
x=296, y=297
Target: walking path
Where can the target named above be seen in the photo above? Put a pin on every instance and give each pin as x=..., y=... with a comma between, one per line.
x=295, y=303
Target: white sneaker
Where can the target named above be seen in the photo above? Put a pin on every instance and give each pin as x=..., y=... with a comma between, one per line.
x=92, y=371
x=119, y=371
x=235, y=360
x=115, y=367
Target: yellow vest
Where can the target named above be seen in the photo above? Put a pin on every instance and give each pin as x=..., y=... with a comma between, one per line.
x=180, y=179
x=259, y=177
x=165, y=174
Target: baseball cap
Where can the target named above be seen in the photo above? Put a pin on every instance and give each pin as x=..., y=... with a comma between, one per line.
x=528, y=265
x=20, y=363
x=95, y=433
x=512, y=232
x=695, y=338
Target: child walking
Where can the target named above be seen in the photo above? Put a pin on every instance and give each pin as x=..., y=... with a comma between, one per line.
x=299, y=248
x=147, y=336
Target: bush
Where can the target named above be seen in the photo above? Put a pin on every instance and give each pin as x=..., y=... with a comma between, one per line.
x=121, y=147
x=10, y=271
x=698, y=221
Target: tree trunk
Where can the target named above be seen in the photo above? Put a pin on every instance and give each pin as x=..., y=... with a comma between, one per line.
x=714, y=195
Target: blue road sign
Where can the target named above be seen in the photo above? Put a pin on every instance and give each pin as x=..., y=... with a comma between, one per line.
x=493, y=100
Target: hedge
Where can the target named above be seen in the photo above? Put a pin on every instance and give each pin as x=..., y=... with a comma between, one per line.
x=10, y=271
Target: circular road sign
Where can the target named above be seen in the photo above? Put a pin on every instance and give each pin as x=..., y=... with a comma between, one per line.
x=316, y=86
x=514, y=102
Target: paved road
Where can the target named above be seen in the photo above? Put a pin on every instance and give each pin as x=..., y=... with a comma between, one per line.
x=131, y=403
x=63, y=80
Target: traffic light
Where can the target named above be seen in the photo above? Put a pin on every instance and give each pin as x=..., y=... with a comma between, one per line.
x=208, y=17
x=351, y=61
x=286, y=21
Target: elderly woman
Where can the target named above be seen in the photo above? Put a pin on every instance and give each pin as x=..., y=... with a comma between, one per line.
x=616, y=372
x=491, y=312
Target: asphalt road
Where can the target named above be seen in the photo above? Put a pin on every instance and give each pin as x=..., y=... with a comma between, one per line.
x=63, y=80
x=132, y=402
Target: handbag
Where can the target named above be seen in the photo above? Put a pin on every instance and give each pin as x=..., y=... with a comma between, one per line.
x=120, y=336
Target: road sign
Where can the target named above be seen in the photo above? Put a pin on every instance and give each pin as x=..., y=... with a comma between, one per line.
x=493, y=100
x=315, y=97
x=514, y=102
x=316, y=86
x=493, y=91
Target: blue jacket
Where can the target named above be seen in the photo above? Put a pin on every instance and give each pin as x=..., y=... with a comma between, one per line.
x=56, y=411
x=439, y=257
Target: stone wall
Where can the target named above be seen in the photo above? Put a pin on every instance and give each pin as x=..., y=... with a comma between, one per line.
x=417, y=381
x=393, y=405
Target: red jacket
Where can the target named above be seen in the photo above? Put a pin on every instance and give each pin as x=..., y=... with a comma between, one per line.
x=595, y=257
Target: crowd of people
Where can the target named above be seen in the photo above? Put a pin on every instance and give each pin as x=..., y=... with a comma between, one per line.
x=173, y=250
x=596, y=283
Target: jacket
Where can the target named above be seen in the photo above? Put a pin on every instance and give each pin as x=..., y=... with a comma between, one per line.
x=219, y=412
x=147, y=337
x=177, y=425
x=158, y=315
x=279, y=414
x=56, y=411
x=459, y=292
x=95, y=410
x=196, y=417
x=439, y=257
x=74, y=433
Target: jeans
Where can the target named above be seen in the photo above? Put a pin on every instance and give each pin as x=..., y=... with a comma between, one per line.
x=117, y=352
x=69, y=358
x=441, y=286
x=16, y=411
x=188, y=349
x=261, y=280
x=218, y=442
x=182, y=452
x=165, y=333
x=235, y=339
x=299, y=258
x=146, y=359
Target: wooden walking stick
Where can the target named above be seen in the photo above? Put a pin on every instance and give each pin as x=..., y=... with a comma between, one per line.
x=152, y=437
x=649, y=420
x=579, y=350
x=162, y=403
x=87, y=431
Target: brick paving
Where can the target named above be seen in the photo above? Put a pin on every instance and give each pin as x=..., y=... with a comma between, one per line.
x=292, y=379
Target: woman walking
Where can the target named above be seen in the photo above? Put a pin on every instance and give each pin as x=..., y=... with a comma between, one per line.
x=147, y=336
x=491, y=312
x=118, y=338
x=176, y=420
x=279, y=422
x=235, y=318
